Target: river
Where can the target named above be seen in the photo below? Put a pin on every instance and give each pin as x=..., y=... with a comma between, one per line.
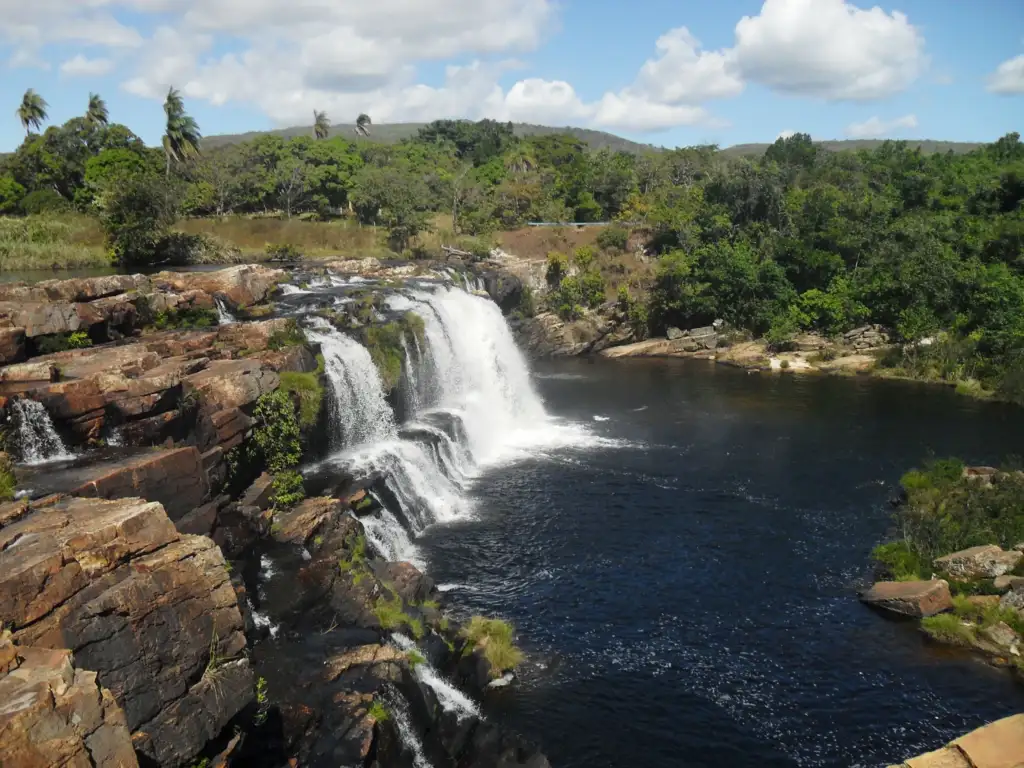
x=685, y=587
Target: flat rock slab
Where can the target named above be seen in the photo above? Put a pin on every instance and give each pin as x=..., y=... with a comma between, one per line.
x=910, y=598
x=984, y=562
x=173, y=477
x=996, y=745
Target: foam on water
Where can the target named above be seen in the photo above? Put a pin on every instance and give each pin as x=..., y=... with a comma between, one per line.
x=450, y=698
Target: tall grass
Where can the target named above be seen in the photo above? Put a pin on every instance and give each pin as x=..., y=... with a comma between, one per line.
x=494, y=638
x=46, y=241
x=311, y=238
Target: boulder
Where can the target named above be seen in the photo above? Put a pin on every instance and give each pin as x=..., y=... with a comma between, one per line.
x=310, y=520
x=1006, y=583
x=981, y=475
x=245, y=284
x=910, y=598
x=673, y=333
x=175, y=478
x=12, y=345
x=74, y=290
x=410, y=583
x=1014, y=598
x=984, y=562
x=41, y=318
x=225, y=384
x=44, y=371
x=866, y=337
x=152, y=612
x=56, y=714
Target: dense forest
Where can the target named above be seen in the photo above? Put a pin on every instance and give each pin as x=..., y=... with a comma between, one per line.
x=927, y=245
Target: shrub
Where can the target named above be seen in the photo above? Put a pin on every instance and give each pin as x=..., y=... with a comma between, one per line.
x=494, y=638
x=180, y=318
x=948, y=628
x=277, y=434
x=306, y=387
x=558, y=268
x=613, y=239
x=61, y=342
x=390, y=612
x=784, y=365
x=283, y=252
x=583, y=258
x=44, y=201
x=287, y=489
x=137, y=215
x=290, y=336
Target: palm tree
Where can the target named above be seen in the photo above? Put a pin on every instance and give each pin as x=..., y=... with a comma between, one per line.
x=321, y=125
x=97, y=113
x=363, y=123
x=181, y=141
x=32, y=111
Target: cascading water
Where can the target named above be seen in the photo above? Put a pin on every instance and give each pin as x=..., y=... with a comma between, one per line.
x=449, y=697
x=471, y=401
x=224, y=316
x=37, y=439
x=411, y=743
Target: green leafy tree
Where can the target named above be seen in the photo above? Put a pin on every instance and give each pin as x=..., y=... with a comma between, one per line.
x=394, y=199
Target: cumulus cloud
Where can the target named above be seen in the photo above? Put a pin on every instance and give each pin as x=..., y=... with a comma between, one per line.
x=829, y=49
x=874, y=127
x=1009, y=77
x=785, y=134
x=288, y=57
x=80, y=66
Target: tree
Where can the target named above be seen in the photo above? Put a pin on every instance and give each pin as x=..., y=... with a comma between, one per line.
x=363, y=123
x=398, y=200
x=97, y=113
x=181, y=140
x=32, y=111
x=137, y=217
x=321, y=125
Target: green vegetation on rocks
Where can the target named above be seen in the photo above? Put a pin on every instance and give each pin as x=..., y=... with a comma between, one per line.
x=308, y=389
x=61, y=342
x=494, y=638
x=950, y=629
x=7, y=479
x=384, y=343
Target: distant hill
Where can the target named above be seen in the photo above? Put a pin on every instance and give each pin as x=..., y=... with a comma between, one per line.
x=392, y=133
x=927, y=146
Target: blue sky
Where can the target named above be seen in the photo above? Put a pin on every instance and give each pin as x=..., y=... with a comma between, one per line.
x=671, y=72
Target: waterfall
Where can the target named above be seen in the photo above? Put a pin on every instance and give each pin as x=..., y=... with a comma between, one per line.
x=399, y=712
x=362, y=408
x=37, y=439
x=471, y=404
x=449, y=697
x=224, y=316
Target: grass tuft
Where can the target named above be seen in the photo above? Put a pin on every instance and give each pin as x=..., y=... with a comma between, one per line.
x=494, y=638
x=948, y=628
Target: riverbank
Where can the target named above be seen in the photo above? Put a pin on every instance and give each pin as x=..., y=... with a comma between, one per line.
x=193, y=545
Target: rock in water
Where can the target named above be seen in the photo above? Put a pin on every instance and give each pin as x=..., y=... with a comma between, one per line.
x=984, y=562
x=910, y=598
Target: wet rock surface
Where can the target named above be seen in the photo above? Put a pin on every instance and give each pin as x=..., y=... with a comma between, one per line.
x=910, y=598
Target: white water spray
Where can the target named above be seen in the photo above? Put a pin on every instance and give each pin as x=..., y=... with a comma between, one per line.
x=399, y=712
x=37, y=439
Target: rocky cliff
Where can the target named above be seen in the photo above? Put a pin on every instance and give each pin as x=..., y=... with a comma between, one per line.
x=142, y=624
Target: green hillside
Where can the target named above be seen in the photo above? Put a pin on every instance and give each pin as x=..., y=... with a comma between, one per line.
x=391, y=133
x=927, y=146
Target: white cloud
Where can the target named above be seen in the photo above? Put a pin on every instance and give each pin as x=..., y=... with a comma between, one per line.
x=829, y=49
x=80, y=66
x=785, y=134
x=1008, y=77
x=288, y=57
x=874, y=127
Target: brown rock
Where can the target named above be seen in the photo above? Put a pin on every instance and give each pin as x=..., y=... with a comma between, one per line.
x=411, y=584
x=73, y=290
x=228, y=384
x=1007, y=582
x=996, y=745
x=12, y=345
x=984, y=562
x=980, y=475
x=363, y=656
x=310, y=519
x=245, y=284
x=175, y=478
x=911, y=598
x=259, y=494
x=54, y=714
x=34, y=371
x=41, y=318
x=252, y=337
x=138, y=604
x=947, y=757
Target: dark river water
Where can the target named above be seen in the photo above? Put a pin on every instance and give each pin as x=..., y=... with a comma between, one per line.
x=688, y=597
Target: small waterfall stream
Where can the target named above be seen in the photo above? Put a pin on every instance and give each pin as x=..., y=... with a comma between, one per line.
x=38, y=441
x=449, y=697
x=224, y=316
